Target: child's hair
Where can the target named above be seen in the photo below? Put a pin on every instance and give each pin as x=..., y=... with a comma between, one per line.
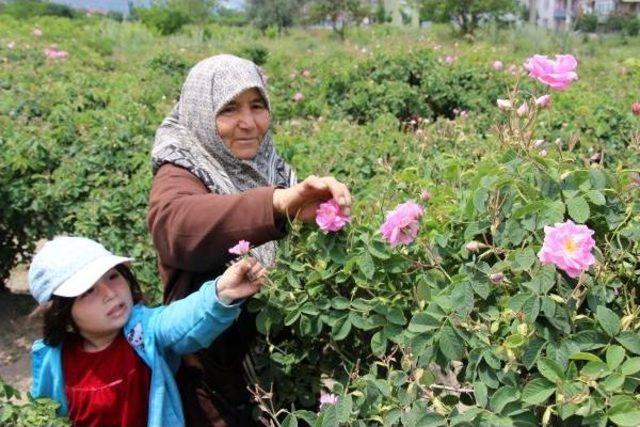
x=57, y=317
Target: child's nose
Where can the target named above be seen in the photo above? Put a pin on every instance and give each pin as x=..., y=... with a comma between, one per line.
x=106, y=292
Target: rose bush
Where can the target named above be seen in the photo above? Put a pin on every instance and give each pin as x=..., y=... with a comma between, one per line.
x=464, y=325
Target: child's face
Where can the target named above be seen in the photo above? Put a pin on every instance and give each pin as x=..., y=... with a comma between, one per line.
x=105, y=307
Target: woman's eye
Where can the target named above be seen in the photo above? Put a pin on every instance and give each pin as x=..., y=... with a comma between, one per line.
x=259, y=106
x=227, y=110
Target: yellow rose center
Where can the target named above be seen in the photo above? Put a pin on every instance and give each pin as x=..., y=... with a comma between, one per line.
x=570, y=245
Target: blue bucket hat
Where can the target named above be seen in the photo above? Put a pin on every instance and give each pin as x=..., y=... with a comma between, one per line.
x=69, y=266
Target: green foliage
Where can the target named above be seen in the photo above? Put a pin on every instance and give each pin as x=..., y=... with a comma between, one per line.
x=24, y=9
x=165, y=20
x=587, y=22
x=339, y=13
x=35, y=412
x=467, y=15
x=280, y=14
x=416, y=335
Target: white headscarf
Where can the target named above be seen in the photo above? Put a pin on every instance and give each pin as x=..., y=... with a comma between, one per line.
x=188, y=136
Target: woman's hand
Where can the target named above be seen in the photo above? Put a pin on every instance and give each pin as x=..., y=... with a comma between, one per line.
x=241, y=280
x=301, y=201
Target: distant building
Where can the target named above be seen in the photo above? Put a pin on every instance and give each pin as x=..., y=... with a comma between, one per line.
x=555, y=14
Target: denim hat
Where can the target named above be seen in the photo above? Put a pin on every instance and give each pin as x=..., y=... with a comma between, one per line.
x=69, y=266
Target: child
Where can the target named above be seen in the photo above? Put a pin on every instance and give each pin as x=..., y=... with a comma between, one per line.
x=105, y=357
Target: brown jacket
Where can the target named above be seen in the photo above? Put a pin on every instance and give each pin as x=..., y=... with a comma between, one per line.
x=192, y=231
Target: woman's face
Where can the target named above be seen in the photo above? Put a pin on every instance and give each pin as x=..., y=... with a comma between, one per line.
x=242, y=124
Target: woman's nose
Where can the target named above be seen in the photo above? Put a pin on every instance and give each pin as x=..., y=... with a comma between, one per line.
x=246, y=120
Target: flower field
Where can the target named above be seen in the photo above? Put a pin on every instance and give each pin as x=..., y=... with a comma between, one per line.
x=488, y=273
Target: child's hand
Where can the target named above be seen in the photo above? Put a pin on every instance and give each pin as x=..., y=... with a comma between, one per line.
x=241, y=280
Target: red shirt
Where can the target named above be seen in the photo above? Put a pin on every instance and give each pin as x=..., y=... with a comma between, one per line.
x=106, y=388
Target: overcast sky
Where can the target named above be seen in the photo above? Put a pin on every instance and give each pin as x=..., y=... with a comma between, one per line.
x=123, y=5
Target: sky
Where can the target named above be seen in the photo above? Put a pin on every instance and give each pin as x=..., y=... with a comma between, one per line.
x=123, y=5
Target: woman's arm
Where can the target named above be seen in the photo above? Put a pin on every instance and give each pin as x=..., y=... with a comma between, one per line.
x=192, y=229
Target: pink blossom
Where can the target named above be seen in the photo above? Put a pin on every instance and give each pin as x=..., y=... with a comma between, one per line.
x=449, y=59
x=538, y=143
x=328, y=399
x=544, y=101
x=568, y=246
x=513, y=69
x=55, y=53
x=543, y=153
x=425, y=195
x=522, y=110
x=330, y=217
x=306, y=73
x=635, y=108
x=504, y=104
x=401, y=224
x=497, y=65
x=473, y=246
x=298, y=97
x=496, y=277
x=464, y=114
x=557, y=74
x=37, y=32
x=241, y=248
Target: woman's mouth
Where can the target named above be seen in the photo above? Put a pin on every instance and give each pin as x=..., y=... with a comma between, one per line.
x=117, y=311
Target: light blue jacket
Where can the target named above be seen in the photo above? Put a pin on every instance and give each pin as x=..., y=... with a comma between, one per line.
x=159, y=336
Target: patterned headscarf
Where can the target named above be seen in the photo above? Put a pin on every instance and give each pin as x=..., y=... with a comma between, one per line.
x=188, y=136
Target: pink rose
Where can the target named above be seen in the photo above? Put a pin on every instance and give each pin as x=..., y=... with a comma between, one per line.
x=497, y=65
x=330, y=217
x=568, y=246
x=544, y=101
x=328, y=399
x=55, y=53
x=450, y=59
x=496, y=278
x=557, y=74
x=504, y=104
x=306, y=73
x=425, y=195
x=401, y=224
x=635, y=108
x=241, y=248
x=522, y=110
x=298, y=97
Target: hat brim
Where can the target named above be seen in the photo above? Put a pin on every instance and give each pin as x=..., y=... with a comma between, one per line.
x=88, y=275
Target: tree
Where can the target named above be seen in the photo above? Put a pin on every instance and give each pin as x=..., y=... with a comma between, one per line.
x=274, y=13
x=468, y=14
x=339, y=13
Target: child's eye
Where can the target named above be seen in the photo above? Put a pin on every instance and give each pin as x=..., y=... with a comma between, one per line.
x=113, y=276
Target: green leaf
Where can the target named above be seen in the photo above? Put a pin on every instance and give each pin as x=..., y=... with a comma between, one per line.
x=625, y=414
x=524, y=259
x=481, y=287
x=423, y=322
x=480, y=198
x=501, y=397
x=290, y=421
x=537, y=391
x=365, y=262
x=396, y=316
x=530, y=355
x=630, y=340
x=378, y=344
x=378, y=250
x=450, y=343
x=596, y=197
x=329, y=416
x=581, y=355
x=344, y=408
x=630, y=366
x=480, y=392
x=341, y=328
x=531, y=309
x=609, y=321
x=615, y=354
x=595, y=370
x=578, y=209
x=514, y=341
x=550, y=369
x=613, y=382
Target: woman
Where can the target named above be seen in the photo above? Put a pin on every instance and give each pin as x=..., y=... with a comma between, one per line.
x=218, y=180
